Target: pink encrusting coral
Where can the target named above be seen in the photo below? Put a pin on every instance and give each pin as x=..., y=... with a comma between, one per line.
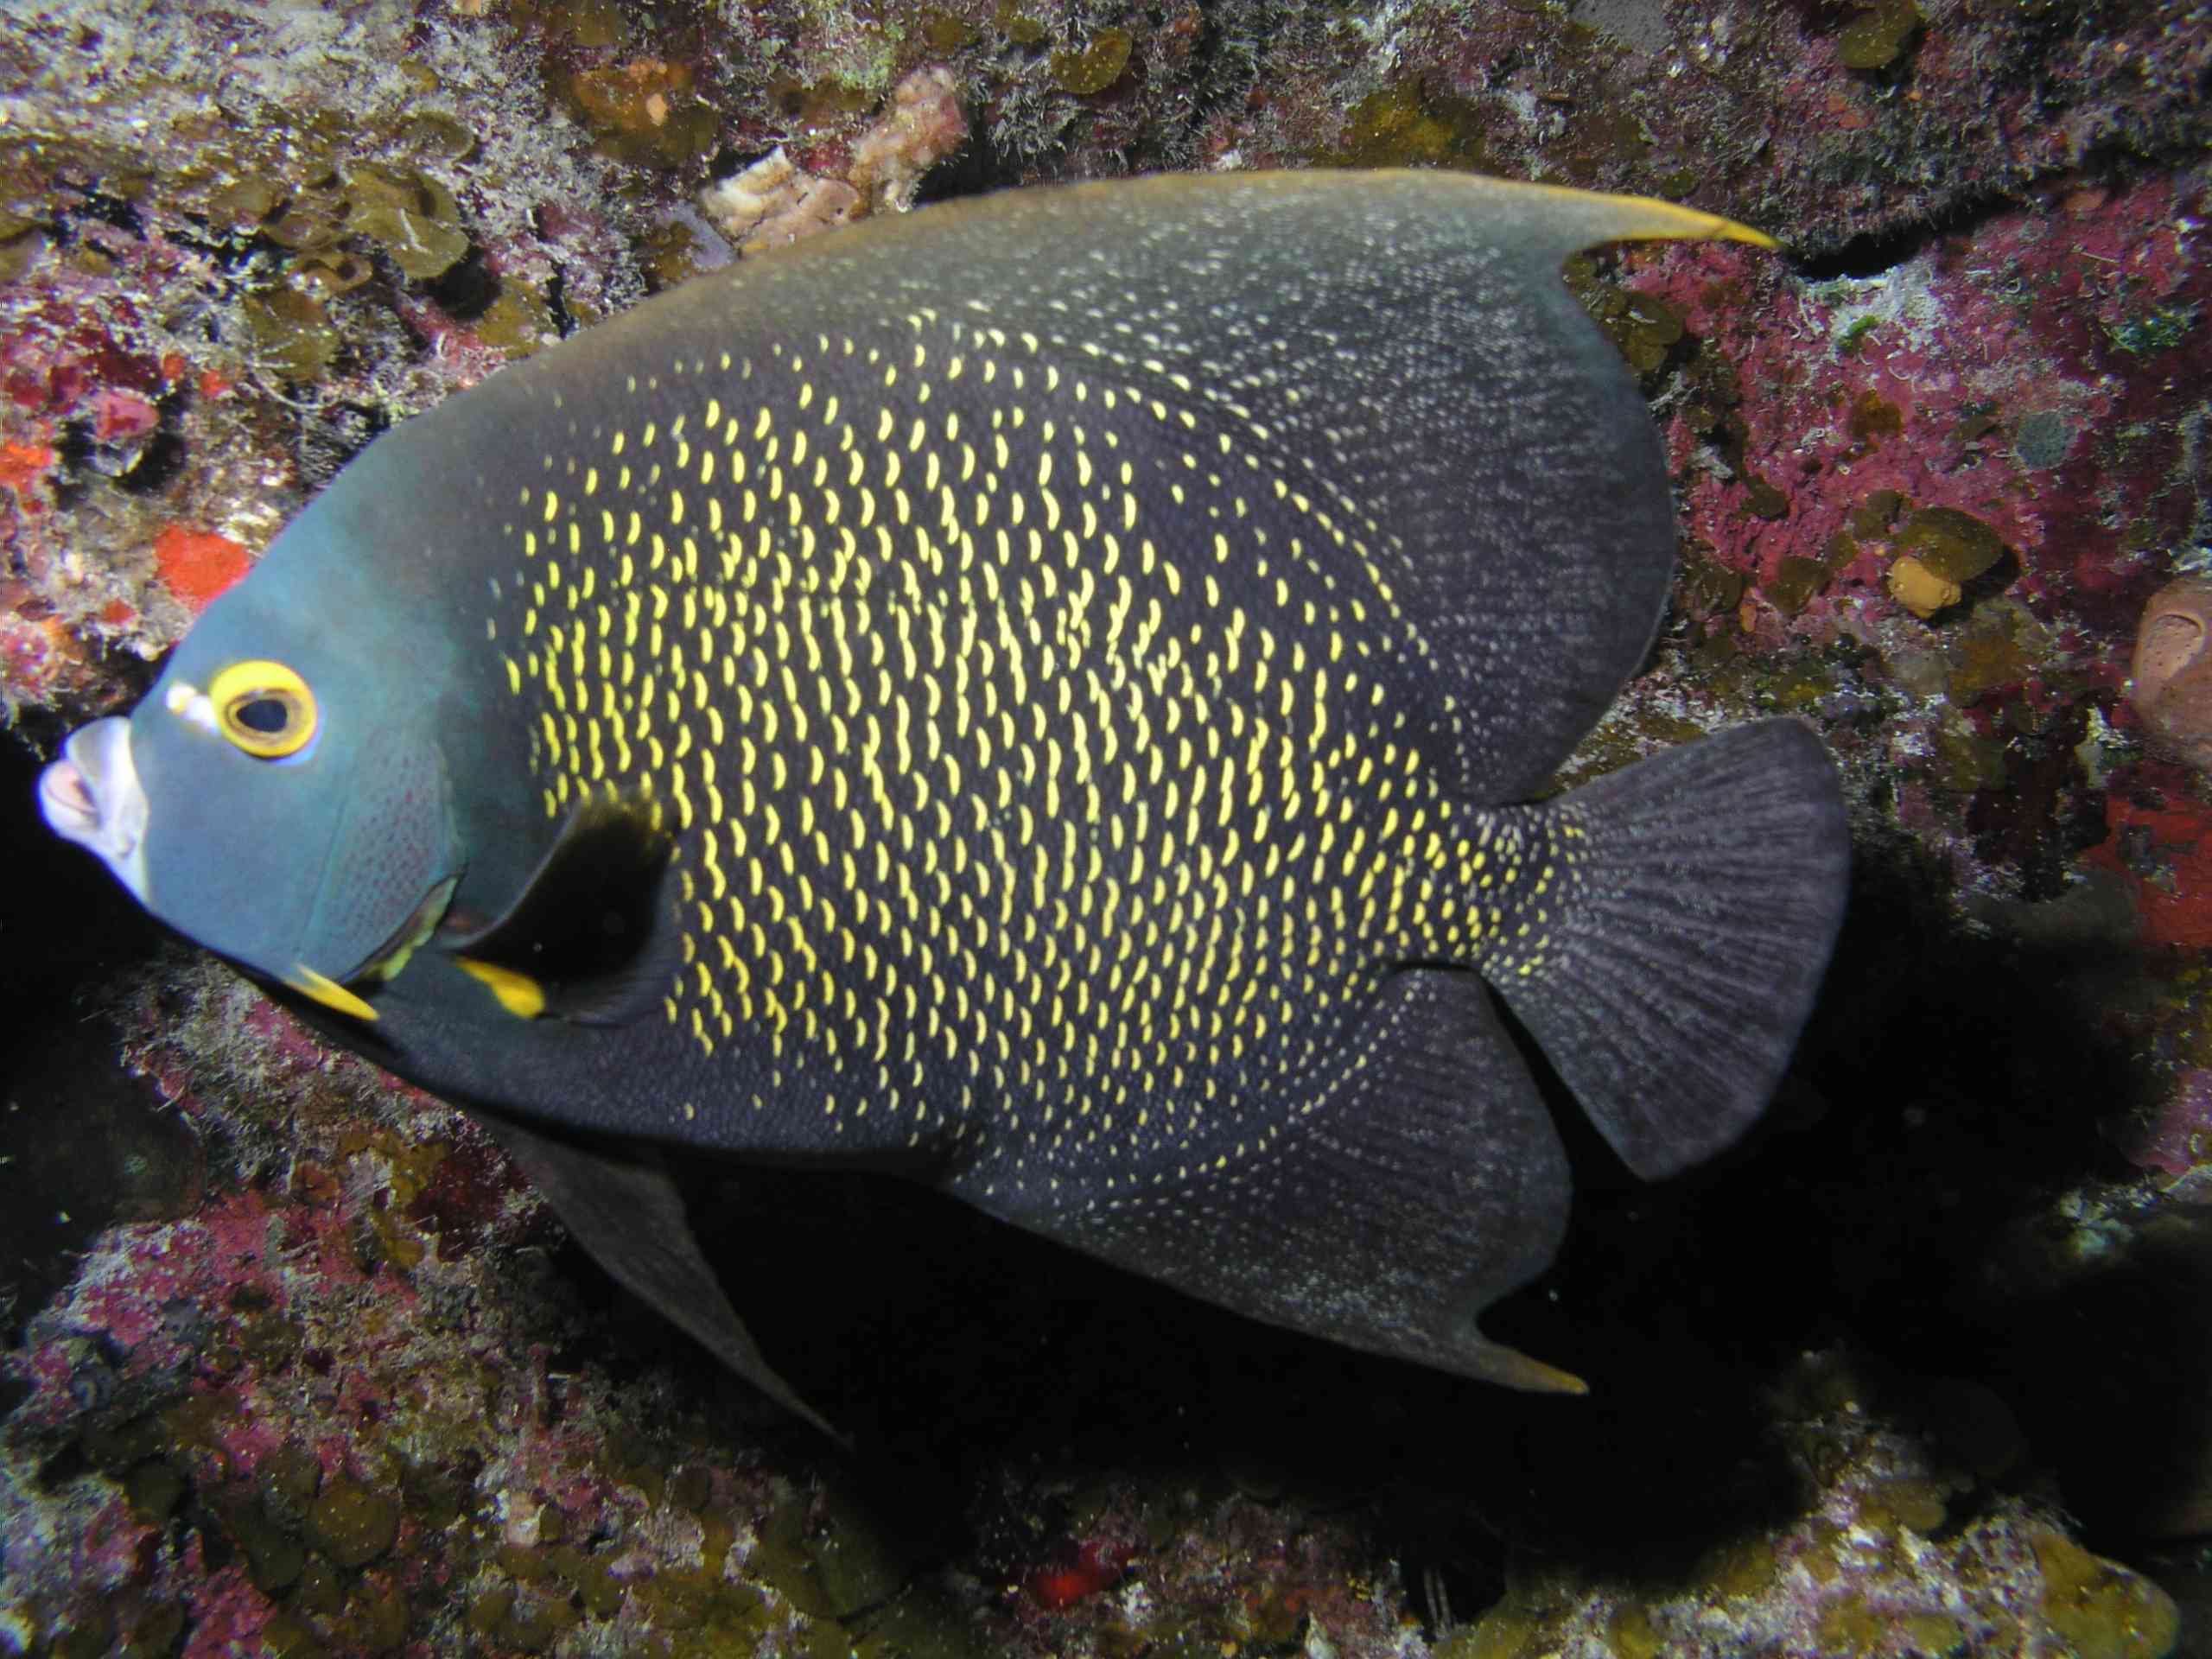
x=1981, y=377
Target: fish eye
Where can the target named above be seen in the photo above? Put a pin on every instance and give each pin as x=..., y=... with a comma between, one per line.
x=264, y=709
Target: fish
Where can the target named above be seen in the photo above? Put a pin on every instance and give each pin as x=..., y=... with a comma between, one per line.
x=1052, y=694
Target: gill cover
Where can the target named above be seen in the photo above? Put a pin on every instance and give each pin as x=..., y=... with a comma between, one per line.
x=298, y=811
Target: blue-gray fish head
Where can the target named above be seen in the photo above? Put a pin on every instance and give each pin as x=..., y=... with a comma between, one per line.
x=279, y=796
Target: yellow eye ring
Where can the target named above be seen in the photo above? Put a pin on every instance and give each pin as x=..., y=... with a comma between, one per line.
x=264, y=709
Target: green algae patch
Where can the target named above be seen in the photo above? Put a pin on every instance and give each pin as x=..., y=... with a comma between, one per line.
x=1711, y=588
x=1954, y=545
x=644, y=112
x=595, y=1586
x=848, y=1563
x=1794, y=584
x=1820, y=1561
x=719, y=1615
x=1643, y=328
x=1874, y=418
x=1403, y=125
x=822, y=103
x=1854, y=337
x=518, y=322
x=1646, y=329
x=275, y=1557
x=1744, y=1568
x=945, y=32
x=2161, y=330
x=1877, y=38
x=155, y=1490
x=1763, y=500
x=1502, y=1633
x=1017, y=25
x=321, y=1588
x=290, y=333
x=1848, y=1626
x=671, y=254
x=1934, y=1634
x=287, y=1637
x=158, y=1633
x=1872, y=518
x=1098, y=66
x=531, y=1621
x=351, y=1523
x=923, y=1627
x=1965, y=761
x=327, y=273
x=1999, y=651
x=1525, y=1622
x=376, y=1618
x=1915, y=1505
x=410, y=215
x=2102, y=1609
x=1632, y=1634
x=781, y=1559
x=434, y=135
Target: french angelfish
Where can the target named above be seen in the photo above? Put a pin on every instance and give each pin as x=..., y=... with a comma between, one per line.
x=1033, y=693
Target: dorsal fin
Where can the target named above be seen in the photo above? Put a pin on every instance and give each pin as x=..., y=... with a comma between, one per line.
x=1397, y=346
x=592, y=937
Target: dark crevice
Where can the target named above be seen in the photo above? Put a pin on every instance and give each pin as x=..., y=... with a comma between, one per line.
x=556, y=303
x=158, y=463
x=465, y=291
x=730, y=161
x=1880, y=253
x=976, y=169
x=111, y=210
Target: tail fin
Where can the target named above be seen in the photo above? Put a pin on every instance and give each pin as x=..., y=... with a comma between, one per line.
x=1703, y=888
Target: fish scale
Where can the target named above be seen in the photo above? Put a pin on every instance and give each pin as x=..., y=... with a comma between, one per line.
x=1205, y=802
x=1035, y=696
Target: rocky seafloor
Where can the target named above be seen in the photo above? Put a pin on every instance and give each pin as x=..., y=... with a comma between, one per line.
x=295, y=1365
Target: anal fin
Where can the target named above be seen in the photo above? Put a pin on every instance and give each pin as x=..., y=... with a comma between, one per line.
x=1430, y=1183
x=623, y=1207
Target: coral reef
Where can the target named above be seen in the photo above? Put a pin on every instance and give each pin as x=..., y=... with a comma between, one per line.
x=294, y=1364
x=772, y=202
x=1904, y=1549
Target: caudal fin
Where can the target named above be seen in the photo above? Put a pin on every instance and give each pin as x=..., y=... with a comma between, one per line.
x=1699, y=894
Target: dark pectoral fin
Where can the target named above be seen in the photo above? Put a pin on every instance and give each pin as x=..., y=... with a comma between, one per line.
x=593, y=938
x=622, y=1206
x=1430, y=1184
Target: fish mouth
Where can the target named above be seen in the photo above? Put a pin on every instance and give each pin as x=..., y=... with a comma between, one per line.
x=92, y=796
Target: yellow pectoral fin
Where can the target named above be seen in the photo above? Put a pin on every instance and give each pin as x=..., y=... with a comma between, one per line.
x=328, y=992
x=519, y=993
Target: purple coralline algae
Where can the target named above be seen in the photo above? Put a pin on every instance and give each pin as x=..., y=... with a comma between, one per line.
x=296, y=1364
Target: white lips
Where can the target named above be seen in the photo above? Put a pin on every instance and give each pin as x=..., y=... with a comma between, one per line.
x=92, y=796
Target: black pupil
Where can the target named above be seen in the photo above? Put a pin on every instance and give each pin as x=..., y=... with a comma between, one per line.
x=267, y=715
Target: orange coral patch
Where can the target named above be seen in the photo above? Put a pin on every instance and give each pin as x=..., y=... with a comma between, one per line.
x=198, y=565
x=2170, y=870
x=21, y=462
